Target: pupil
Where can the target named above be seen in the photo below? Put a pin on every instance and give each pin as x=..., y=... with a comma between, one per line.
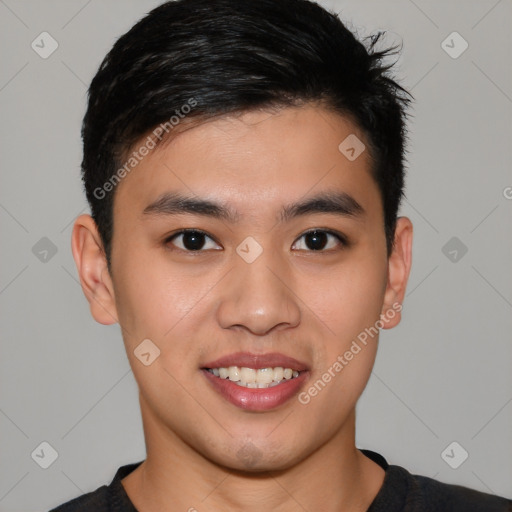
x=193, y=240
x=316, y=240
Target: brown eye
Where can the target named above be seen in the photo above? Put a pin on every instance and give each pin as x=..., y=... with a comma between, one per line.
x=192, y=240
x=319, y=240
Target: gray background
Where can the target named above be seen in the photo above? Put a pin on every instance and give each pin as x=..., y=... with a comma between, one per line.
x=443, y=375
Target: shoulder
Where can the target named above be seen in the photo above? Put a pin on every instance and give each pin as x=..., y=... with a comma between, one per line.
x=107, y=498
x=424, y=493
x=96, y=500
x=405, y=492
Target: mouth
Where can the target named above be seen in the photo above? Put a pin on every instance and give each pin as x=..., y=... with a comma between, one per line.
x=262, y=378
x=256, y=382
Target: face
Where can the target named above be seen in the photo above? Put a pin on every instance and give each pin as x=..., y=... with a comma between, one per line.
x=252, y=243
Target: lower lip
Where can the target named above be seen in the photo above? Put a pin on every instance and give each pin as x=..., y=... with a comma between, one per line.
x=256, y=399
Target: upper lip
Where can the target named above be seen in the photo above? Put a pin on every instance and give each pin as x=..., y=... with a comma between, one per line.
x=256, y=361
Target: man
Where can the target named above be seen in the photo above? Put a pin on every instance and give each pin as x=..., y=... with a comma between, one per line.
x=244, y=166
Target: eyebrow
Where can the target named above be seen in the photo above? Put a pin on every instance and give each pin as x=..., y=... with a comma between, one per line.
x=173, y=203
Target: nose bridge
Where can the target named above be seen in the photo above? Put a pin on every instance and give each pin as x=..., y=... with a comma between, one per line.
x=259, y=294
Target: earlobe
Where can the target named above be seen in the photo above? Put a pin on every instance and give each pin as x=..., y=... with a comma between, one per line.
x=92, y=269
x=399, y=267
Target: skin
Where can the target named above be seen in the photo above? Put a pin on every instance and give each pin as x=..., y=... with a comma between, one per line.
x=203, y=452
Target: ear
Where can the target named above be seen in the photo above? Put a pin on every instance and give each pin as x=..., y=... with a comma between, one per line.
x=92, y=269
x=399, y=267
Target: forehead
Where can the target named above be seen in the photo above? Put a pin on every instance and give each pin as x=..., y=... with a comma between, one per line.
x=255, y=159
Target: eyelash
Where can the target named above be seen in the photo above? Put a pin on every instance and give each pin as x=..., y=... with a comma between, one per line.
x=341, y=238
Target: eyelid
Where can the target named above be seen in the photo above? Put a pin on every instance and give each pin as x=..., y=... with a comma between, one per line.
x=340, y=236
x=182, y=231
x=188, y=230
x=329, y=231
x=342, y=239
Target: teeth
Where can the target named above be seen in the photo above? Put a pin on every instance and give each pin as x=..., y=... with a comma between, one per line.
x=265, y=375
x=234, y=374
x=247, y=375
x=251, y=378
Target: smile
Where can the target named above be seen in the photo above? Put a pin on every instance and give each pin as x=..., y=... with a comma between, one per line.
x=256, y=382
x=255, y=378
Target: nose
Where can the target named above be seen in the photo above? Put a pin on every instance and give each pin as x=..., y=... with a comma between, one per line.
x=259, y=297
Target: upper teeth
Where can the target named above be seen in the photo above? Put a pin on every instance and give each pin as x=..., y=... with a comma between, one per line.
x=251, y=378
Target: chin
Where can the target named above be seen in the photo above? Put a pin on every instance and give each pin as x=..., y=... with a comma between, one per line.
x=247, y=457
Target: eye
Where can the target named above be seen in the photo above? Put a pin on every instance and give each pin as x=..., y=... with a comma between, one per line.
x=320, y=239
x=317, y=240
x=191, y=240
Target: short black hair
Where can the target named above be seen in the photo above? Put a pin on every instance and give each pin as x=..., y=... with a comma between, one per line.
x=205, y=58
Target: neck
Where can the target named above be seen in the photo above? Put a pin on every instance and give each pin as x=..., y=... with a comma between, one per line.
x=335, y=477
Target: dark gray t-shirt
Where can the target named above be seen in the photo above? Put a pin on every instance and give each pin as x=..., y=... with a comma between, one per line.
x=400, y=492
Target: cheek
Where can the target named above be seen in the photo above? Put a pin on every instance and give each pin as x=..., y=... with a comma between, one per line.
x=346, y=305
x=164, y=307
x=152, y=299
x=347, y=298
